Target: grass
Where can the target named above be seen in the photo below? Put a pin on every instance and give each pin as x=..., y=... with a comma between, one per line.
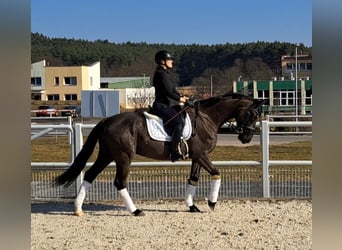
x=57, y=149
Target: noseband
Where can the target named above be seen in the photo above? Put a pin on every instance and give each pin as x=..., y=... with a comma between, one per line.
x=240, y=129
x=244, y=128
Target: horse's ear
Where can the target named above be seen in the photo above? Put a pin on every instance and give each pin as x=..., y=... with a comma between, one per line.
x=258, y=102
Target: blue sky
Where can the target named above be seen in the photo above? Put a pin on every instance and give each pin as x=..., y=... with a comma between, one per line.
x=176, y=21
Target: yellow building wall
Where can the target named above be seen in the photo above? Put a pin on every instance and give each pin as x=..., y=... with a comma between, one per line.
x=51, y=88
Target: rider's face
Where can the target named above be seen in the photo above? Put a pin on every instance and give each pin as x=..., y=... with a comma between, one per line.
x=169, y=63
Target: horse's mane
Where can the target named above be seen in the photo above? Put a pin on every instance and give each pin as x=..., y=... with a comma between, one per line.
x=215, y=99
x=235, y=95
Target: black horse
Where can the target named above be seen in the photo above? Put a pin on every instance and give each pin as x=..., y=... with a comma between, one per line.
x=122, y=136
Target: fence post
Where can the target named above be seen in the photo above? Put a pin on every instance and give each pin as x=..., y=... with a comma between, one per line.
x=70, y=135
x=265, y=141
x=78, y=147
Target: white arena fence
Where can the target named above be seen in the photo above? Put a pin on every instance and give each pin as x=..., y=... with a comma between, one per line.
x=165, y=180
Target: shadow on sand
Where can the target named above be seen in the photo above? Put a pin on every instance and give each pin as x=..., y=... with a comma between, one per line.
x=68, y=208
x=62, y=207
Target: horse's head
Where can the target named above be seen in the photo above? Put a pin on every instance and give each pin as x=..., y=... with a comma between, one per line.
x=246, y=120
x=244, y=109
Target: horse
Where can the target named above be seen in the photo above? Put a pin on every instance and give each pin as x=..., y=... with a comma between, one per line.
x=122, y=136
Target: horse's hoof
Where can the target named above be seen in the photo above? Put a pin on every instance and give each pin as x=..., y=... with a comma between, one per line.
x=138, y=212
x=79, y=213
x=211, y=205
x=194, y=209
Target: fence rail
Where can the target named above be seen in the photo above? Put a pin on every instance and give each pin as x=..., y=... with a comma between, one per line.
x=166, y=180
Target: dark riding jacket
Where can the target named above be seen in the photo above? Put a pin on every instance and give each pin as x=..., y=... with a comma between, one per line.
x=166, y=98
x=165, y=91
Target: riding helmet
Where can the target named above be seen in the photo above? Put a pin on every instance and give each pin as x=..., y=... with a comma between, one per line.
x=162, y=55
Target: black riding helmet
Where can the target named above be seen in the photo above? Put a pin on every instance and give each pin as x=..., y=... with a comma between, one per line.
x=162, y=55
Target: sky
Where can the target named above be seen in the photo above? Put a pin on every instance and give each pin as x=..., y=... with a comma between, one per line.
x=175, y=22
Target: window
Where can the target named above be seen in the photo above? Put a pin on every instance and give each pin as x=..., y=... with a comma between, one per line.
x=53, y=97
x=276, y=98
x=301, y=66
x=70, y=80
x=290, y=66
x=284, y=98
x=264, y=95
x=308, y=99
x=70, y=97
x=36, y=97
x=104, y=85
x=56, y=83
x=309, y=66
x=291, y=98
x=36, y=81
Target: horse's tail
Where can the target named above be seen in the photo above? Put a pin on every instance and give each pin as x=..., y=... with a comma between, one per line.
x=81, y=159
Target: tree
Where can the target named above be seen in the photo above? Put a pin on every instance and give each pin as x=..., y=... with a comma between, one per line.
x=194, y=64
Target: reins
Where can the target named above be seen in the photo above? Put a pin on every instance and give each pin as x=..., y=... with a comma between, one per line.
x=178, y=113
x=194, y=104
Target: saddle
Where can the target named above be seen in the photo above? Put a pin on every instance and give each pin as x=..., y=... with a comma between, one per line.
x=157, y=131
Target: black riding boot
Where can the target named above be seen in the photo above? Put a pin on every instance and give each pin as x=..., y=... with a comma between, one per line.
x=176, y=138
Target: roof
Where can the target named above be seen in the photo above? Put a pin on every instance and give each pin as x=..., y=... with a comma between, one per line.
x=119, y=79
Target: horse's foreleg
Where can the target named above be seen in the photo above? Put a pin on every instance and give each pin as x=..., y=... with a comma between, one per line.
x=214, y=191
x=215, y=181
x=192, y=186
x=129, y=203
x=189, y=197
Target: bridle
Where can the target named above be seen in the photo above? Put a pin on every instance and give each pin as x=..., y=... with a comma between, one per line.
x=240, y=129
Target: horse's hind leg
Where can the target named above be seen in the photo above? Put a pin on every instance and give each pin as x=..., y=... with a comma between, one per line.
x=122, y=172
x=101, y=162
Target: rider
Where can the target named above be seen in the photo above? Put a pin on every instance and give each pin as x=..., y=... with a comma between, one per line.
x=167, y=98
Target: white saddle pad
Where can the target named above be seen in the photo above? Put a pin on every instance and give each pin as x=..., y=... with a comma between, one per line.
x=156, y=129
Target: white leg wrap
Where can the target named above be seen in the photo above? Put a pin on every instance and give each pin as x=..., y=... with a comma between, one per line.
x=127, y=200
x=190, y=194
x=81, y=195
x=214, y=190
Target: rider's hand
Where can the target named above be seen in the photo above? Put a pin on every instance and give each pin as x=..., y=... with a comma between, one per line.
x=183, y=99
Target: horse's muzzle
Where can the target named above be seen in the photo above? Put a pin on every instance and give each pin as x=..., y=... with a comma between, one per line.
x=245, y=137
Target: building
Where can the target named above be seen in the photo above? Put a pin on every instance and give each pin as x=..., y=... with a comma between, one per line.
x=280, y=95
x=304, y=67
x=62, y=83
x=280, y=92
x=66, y=83
x=125, y=82
x=135, y=92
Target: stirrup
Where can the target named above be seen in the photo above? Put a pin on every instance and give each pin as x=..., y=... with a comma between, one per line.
x=183, y=149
